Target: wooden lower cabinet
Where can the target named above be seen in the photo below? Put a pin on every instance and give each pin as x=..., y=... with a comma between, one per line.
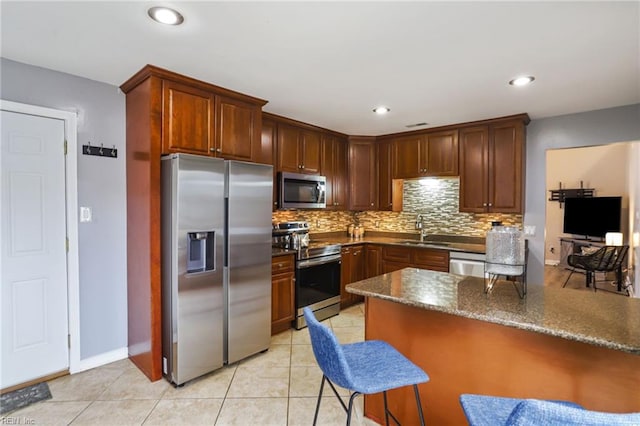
x=374, y=260
x=282, y=293
x=396, y=257
x=353, y=269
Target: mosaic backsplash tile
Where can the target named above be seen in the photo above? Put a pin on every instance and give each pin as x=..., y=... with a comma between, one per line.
x=436, y=200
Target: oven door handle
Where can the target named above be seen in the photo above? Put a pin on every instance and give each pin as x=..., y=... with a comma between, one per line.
x=318, y=261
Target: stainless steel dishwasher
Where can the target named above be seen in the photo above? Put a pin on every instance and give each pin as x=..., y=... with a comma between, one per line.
x=465, y=263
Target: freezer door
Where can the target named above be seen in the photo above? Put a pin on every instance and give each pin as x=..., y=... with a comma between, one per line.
x=249, y=193
x=193, y=266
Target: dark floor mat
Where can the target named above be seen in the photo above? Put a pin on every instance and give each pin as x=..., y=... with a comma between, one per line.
x=22, y=397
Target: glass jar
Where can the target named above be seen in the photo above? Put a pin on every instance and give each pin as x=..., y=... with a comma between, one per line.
x=505, y=250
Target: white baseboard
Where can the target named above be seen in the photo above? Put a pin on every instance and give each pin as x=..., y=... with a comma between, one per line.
x=552, y=262
x=102, y=359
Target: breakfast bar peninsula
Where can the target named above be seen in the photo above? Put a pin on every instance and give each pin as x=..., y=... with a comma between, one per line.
x=553, y=344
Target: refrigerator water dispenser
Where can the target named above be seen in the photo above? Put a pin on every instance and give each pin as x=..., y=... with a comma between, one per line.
x=200, y=251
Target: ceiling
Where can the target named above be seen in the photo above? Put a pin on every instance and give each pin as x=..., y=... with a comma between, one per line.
x=331, y=63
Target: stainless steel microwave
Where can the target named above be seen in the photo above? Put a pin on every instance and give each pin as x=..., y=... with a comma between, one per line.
x=298, y=191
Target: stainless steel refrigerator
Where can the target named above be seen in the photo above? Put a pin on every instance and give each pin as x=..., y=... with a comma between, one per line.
x=216, y=263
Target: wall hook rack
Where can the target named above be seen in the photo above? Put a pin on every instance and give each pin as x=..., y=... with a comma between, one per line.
x=561, y=193
x=100, y=151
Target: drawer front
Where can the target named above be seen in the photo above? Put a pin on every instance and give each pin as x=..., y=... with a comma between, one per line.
x=396, y=254
x=437, y=260
x=281, y=264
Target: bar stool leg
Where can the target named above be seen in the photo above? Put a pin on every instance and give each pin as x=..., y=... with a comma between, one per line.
x=415, y=390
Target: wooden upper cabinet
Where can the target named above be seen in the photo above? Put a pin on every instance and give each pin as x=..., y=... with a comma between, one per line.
x=311, y=147
x=407, y=155
x=334, y=167
x=287, y=149
x=363, y=177
x=506, y=167
x=385, y=175
x=238, y=130
x=474, y=169
x=442, y=154
x=492, y=159
x=428, y=154
x=198, y=118
x=298, y=150
x=187, y=119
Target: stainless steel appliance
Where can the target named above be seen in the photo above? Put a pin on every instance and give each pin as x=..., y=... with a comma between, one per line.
x=299, y=191
x=317, y=271
x=464, y=263
x=216, y=263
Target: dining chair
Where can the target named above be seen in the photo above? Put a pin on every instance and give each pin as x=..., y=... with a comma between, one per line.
x=605, y=259
x=368, y=367
x=484, y=410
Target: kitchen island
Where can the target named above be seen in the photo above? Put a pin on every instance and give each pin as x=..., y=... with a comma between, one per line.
x=584, y=348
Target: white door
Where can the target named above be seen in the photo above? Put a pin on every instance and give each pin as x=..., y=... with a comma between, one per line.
x=33, y=265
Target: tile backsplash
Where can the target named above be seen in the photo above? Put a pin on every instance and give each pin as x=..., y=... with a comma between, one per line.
x=436, y=199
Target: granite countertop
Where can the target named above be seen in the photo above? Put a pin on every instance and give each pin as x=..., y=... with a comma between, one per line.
x=606, y=320
x=451, y=243
x=442, y=242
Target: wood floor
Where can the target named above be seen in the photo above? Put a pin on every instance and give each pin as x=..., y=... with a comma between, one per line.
x=555, y=276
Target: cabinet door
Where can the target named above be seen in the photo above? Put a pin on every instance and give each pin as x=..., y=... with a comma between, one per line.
x=238, y=130
x=474, y=143
x=288, y=149
x=363, y=182
x=506, y=161
x=282, y=293
x=311, y=151
x=442, y=154
x=374, y=261
x=340, y=173
x=358, y=270
x=334, y=168
x=407, y=157
x=345, y=276
x=385, y=181
x=390, y=266
x=187, y=119
x=282, y=303
x=436, y=260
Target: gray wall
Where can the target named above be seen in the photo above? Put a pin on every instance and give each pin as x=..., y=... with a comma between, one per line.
x=621, y=124
x=101, y=186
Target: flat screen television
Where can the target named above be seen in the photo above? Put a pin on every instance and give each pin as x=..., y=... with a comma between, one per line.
x=592, y=216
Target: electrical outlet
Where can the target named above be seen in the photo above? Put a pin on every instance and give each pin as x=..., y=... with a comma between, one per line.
x=530, y=230
x=85, y=214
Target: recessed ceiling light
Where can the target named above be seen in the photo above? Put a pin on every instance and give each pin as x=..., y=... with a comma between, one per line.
x=381, y=110
x=522, y=81
x=164, y=15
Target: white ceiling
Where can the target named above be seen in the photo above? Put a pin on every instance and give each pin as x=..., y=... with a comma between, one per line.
x=331, y=63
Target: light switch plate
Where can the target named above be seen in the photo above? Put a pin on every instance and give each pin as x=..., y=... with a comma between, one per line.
x=530, y=230
x=85, y=214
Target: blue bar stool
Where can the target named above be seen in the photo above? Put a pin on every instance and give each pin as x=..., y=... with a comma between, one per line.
x=482, y=410
x=366, y=367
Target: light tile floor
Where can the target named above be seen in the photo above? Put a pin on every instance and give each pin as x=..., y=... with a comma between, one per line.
x=278, y=387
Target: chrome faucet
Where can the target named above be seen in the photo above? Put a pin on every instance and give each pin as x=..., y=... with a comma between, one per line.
x=419, y=226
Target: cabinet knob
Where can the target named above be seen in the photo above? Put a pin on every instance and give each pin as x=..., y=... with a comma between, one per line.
x=302, y=167
x=212, y=149
x=219, y=150
x=299, y=166
x=490, y=204
x=484, y=204
x=371, y=204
